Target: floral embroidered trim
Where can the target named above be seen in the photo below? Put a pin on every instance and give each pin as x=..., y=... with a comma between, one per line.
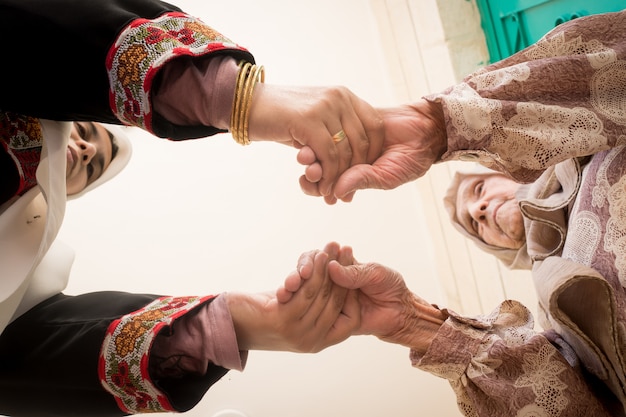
x=142, y=49
x=123, y=361
x=22, y=138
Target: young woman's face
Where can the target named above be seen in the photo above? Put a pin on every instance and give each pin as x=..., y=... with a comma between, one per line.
x=89, y=153
x=486, y=207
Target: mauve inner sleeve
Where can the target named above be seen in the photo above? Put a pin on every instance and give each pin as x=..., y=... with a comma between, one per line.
x=202, y=337
x=197, y=91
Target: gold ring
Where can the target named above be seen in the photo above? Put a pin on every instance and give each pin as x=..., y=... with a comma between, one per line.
x=339, y=136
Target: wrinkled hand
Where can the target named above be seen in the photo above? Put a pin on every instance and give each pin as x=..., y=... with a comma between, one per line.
x=388, y=309
x=314, y=318
x=415, y=138
x=310, y=116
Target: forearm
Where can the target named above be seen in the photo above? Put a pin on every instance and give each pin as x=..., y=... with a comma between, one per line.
x=198, y=91
x=499, y=366
x=550, y=102
x=139, y=57
x=56, y=82
x=104, y=343
x=113, y=85
x=196, y=341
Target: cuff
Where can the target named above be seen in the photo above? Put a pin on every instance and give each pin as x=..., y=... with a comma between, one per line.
x=141, y=52
x=196, y=92
x=226, y=352
x=123, y=365
x=452, y=349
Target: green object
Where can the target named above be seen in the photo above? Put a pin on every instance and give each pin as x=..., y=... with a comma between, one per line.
x=512, y=25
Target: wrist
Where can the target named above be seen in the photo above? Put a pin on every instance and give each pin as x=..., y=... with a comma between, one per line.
x=270, y=103
x=243, y=312
x=431, y=113
x=421, y=324
x=430, y=322
x=255, y=321
x=248, y=77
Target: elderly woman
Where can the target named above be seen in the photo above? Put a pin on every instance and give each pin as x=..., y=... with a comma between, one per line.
x=551, y=116
x=566, y=227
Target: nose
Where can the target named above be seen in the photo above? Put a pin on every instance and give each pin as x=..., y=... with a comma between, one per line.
x=87, y=151
x=478, y=210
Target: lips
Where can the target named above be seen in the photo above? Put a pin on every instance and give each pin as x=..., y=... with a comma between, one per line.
x=71, y=159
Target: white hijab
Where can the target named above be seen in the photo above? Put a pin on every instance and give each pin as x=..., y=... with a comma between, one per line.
x=33, y=266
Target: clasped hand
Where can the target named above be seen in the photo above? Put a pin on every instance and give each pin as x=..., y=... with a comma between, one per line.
x=378, y=303
x=344, y=143
x=316, y=316
x=414, y=137
x=328, y=298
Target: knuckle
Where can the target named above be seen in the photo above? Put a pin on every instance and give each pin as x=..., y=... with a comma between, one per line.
x=338, y=300
x=337, y=94
x=326, y=290
x=309, y=293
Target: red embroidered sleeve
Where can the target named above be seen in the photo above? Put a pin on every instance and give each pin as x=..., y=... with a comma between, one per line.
x=22, y=138
x=123, y=361
x=140, y=52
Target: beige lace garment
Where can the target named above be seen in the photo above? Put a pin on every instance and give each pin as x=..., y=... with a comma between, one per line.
x=533, y=114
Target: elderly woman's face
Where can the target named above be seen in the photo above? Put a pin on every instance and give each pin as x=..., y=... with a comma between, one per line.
x=486, y=207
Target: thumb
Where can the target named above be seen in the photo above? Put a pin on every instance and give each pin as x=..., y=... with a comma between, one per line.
x=358, y=177
x=348, y=276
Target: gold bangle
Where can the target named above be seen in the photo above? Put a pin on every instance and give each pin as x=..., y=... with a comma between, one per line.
x=244, y=67
x=256, y=75
x=249, y=75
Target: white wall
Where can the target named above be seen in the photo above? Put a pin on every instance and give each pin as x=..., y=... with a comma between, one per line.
x=208, y=216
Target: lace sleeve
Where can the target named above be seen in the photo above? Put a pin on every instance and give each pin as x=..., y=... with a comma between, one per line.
x=498, y=365
x=560, y=98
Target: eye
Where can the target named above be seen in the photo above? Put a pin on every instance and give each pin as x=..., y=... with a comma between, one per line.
x=81, y=130
x=478, y=189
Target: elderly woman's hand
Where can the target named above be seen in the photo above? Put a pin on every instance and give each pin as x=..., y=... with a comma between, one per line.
x=388, y=309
